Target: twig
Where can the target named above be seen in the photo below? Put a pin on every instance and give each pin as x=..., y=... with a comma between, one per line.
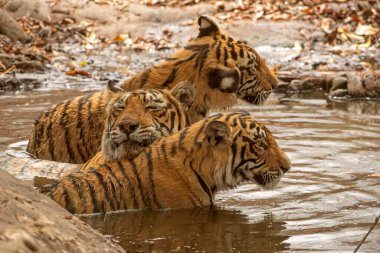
x=365, y=237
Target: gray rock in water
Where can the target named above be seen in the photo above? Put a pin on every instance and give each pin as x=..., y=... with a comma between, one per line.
x=371, y=82
x=339, y=93
x=355, y=86
x=295, y=85
x=314, y=83
x=339, y=82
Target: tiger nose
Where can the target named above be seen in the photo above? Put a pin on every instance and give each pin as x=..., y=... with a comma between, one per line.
x=285, y=163
x=274, y=82
x=128, y=126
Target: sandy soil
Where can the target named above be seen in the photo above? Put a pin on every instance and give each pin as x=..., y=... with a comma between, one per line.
x=31, y=222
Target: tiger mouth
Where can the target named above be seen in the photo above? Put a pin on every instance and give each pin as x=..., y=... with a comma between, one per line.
x=138, y=144
x=258, y=98
x=268, y=181
x=130, y=149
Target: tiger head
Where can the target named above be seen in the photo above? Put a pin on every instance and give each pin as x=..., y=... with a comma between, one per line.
x=231, y=66
x=241, y=150
x=136, y=118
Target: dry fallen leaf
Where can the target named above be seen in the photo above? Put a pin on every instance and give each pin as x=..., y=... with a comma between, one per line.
x=118, y=38
x=367, y=44
x=374, y=175
x=77, y=72
x=366, y=30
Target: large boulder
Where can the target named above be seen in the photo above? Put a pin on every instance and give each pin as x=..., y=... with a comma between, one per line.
x=10, y=28
x=32, y=222
x=371, y=82
x=38, y=9
x=355, y=85
x=364, y=85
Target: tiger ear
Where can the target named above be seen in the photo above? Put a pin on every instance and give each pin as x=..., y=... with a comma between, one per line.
x=207, y=26
x=185, y=92
x=113, y=88
x=226, y=80
x=217, y=132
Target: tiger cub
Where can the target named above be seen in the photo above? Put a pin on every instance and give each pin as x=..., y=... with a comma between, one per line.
x=183, y=170
x=131, y=122
x=221, y=67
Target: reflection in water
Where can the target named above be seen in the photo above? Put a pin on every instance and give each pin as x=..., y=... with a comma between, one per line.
x=357, y=106
x=202, y=230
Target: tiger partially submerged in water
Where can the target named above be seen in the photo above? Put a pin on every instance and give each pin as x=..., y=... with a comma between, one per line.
x=133, y=121
x=183, y=170
x=221, y=67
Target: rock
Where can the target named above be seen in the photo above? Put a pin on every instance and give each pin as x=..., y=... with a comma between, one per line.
x=313, y=83
x=328, y=80
x=21, y=81
x=318, y=35
x=339, y=82
x=354, y=85
x=45, y=32
x=10, y=28
x=21, y=62
x=295, y=85
x=308, y=84
x=339, y=93
x=29, y=66
x=32, y=222
x=38, y=9
x=282, y=86
x=371, y=84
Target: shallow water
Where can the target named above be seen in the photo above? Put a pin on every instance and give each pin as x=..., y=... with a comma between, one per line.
x=326, y=202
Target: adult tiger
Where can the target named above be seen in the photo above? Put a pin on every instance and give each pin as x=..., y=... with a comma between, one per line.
x=183, y=170
x=132, y=121
x=221, y=67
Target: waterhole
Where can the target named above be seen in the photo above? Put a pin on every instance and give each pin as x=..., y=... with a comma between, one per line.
x=326, y=202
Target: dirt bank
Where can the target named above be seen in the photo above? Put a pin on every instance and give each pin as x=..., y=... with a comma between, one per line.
x=31, y=222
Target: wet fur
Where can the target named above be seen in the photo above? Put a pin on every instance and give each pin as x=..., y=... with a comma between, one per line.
x=221, y=67
x=89, y=140
x=183, y=170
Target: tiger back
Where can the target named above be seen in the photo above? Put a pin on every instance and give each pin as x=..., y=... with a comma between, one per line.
x=132, y=121
x=221, y=67
x=183, y=170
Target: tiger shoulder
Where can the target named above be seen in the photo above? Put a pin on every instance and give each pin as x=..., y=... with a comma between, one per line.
x=183, y=170
x=222, y=68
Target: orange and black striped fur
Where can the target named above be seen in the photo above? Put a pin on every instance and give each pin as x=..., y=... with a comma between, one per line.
x=183, y=170
x=132, y=121
x=221, y=67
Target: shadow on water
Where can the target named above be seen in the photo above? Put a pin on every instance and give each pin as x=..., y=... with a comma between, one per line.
x=197, y=230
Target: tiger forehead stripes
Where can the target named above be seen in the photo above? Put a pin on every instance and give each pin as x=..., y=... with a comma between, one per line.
x=137, y=118
x=183, y=170
x=133, y=120
x=220, y=67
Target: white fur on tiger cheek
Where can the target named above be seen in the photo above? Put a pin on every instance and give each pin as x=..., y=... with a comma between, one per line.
x=227, y=83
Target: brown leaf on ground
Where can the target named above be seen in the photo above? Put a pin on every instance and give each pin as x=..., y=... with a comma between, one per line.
x=77, y=72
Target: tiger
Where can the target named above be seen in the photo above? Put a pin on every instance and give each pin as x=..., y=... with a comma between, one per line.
x=221, y=67
x=182, y=170
x=133, y=120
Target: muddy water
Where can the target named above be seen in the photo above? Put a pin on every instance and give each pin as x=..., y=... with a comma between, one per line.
x=326, y=202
